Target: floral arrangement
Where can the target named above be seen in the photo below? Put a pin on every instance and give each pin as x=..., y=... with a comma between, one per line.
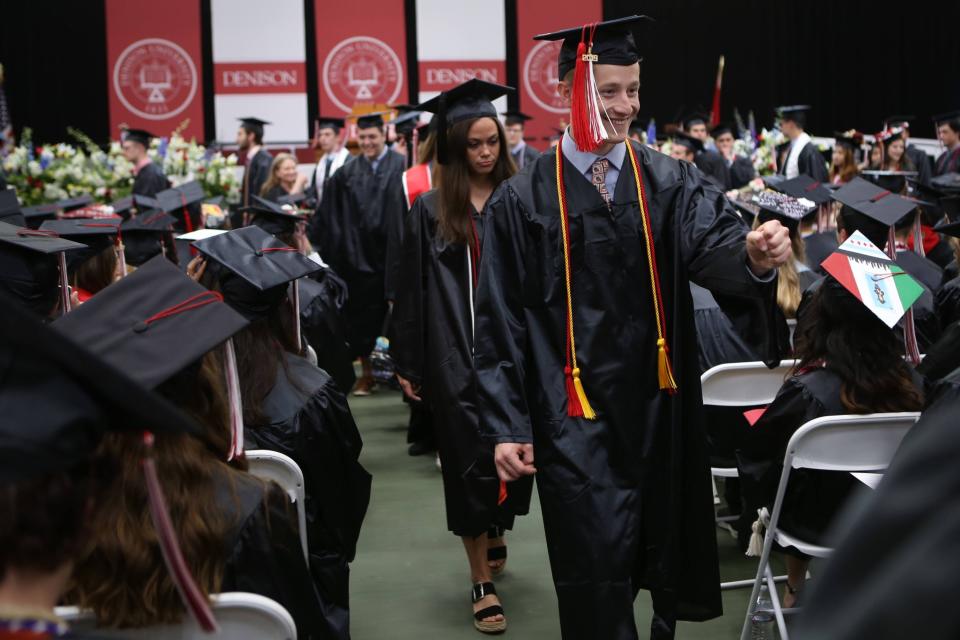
x=764, y=156
x=57, y=171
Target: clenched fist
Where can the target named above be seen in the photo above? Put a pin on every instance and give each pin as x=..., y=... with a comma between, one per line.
x=768, y=247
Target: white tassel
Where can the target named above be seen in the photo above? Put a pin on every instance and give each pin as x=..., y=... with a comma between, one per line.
x=64, y=284
x=597, y=130
x=236, y=404
x=755, y=548
x=295, y=301
x=122, y=257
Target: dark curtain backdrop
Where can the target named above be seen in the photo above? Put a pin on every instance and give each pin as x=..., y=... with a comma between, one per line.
x=855, y=61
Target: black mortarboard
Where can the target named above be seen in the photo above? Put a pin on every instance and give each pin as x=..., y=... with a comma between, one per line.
x=895, y=181
x=946, y=182
x=327, y=122
x=97, y=235
x=789, y=210
x=29, y=269
x=515, y=117
x=890, y=135
x=613, y=43
x=371, y=120
x=58, y=399
x=142, y=235
x=153, y=323
x=897, y=121
x=273, y=217
x=36, y=214
x=686, y=140
x=722, y=128
x=69, y=204
x=10, y=208
x=950, y=228
x=292, y=198
x=472, y=99
x=878, y=204
x=697, y=117
x=137, y=135
x=803, y=186
x=940, y=118
x=796, y=113
x=406, y=122
x=171, y=200
x=127, y=204
x=253, y=122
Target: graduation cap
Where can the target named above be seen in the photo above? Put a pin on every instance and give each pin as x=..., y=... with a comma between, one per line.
x=610, y=42
x=803, y=186
x=695, y=118
x=328, y=122
x=511, y=118
x=59, y=399
x=888, y=136
x=178, y=201
x=949, y=116
x=35, y=215
x=200, y=234
x=873, y=278
x=789, y=210
x=371, y=120
x=949, y=227
x=850, y=138
x=143, y=235
x=273, y=217
x=254, y=271
x=722, y=128
x=254, y=126
x=96, y=235
x=137, y=135
x=153, y=323
x=292, y=198
x=684, y=139
x=405, y=123
x=10, y=208
x=32, y=264
x=902, y=122
x=136, y=201
x=878, y=204
x=472, y=99
x=796, y=113
x=947, y=182
x=890, y=180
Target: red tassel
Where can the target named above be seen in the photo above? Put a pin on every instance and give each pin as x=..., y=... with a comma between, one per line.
x=502, y=497
x=580, y=102
x=574, y=410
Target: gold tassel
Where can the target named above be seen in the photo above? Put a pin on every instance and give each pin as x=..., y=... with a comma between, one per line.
x=588, y=411
x=664, y=370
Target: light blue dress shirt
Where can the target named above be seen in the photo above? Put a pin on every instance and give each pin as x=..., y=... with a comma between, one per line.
x=583, y=160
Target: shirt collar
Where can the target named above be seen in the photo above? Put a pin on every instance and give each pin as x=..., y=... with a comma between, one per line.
x=379, y=157
x=517, y=149
x=583, y=160
x=801, y=139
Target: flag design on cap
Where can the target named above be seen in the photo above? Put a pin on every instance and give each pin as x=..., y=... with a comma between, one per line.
x=876, y=280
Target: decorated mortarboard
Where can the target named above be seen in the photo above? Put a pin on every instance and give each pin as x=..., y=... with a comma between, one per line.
x=371, y=120
x=611, y=43
x=137, y=135
x=897, y=121
x=850, y=138
x=686, y=140
x=878, y=204
x=803, y=186
x=472, y=99
x=515, y=117
x=90, y=212
x=33, y=267
x=873, y=278
x=787, y=209
x=890, y=135
x=10, y=208
x=59, y=398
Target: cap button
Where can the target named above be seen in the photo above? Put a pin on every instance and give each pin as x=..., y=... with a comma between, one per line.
x=140, y=327
x=258, y=253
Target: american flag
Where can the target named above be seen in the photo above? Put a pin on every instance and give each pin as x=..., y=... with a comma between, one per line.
x=6, y=124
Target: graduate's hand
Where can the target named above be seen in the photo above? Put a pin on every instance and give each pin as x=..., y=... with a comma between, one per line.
x=514, y=461
x=768, y=247
x=408, y=389
x=196, y=267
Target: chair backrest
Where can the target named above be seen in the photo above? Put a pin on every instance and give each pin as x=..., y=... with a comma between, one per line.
x=854, y=443
x=743, y=384
x=272, y=465
x=241, y=616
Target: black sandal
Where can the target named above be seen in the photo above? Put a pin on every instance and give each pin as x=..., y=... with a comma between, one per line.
x=480, y=591
x=495, y=554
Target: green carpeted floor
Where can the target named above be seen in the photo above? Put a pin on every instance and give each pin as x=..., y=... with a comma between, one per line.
x=410, y=576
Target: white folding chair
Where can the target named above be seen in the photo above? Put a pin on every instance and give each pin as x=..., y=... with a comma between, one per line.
x=241, y=616
x=272, y=465
x=854, y=443
x=740, y=384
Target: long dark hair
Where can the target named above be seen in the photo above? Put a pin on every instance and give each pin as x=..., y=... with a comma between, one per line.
x=839, y=332
x=98, y=272
x=453, y=181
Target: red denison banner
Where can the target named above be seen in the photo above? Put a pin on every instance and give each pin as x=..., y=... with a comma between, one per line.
x=361, y=55
x=154, y=66
x=538, y=61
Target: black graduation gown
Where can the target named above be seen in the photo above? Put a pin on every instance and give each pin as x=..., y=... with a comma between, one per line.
x=921, y=268
x=255, y=175
x=434, y=349
x=525, y=156
x=922, y=162
x=713, y=165
x=323, y=296
x=943, y=357
x=350, y=227
x=741, y=172
x=627, y=500
x=717, y=338
x=947, y=162
x=813, y=497
x=263, y=551
x=150, y=181
x=309, y=420
x=818, y=247
x=948, y=302
x=810, y=162
x=896, y=556
x=396, y=226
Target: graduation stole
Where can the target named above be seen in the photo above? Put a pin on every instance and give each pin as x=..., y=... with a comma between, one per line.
x=577, y=403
